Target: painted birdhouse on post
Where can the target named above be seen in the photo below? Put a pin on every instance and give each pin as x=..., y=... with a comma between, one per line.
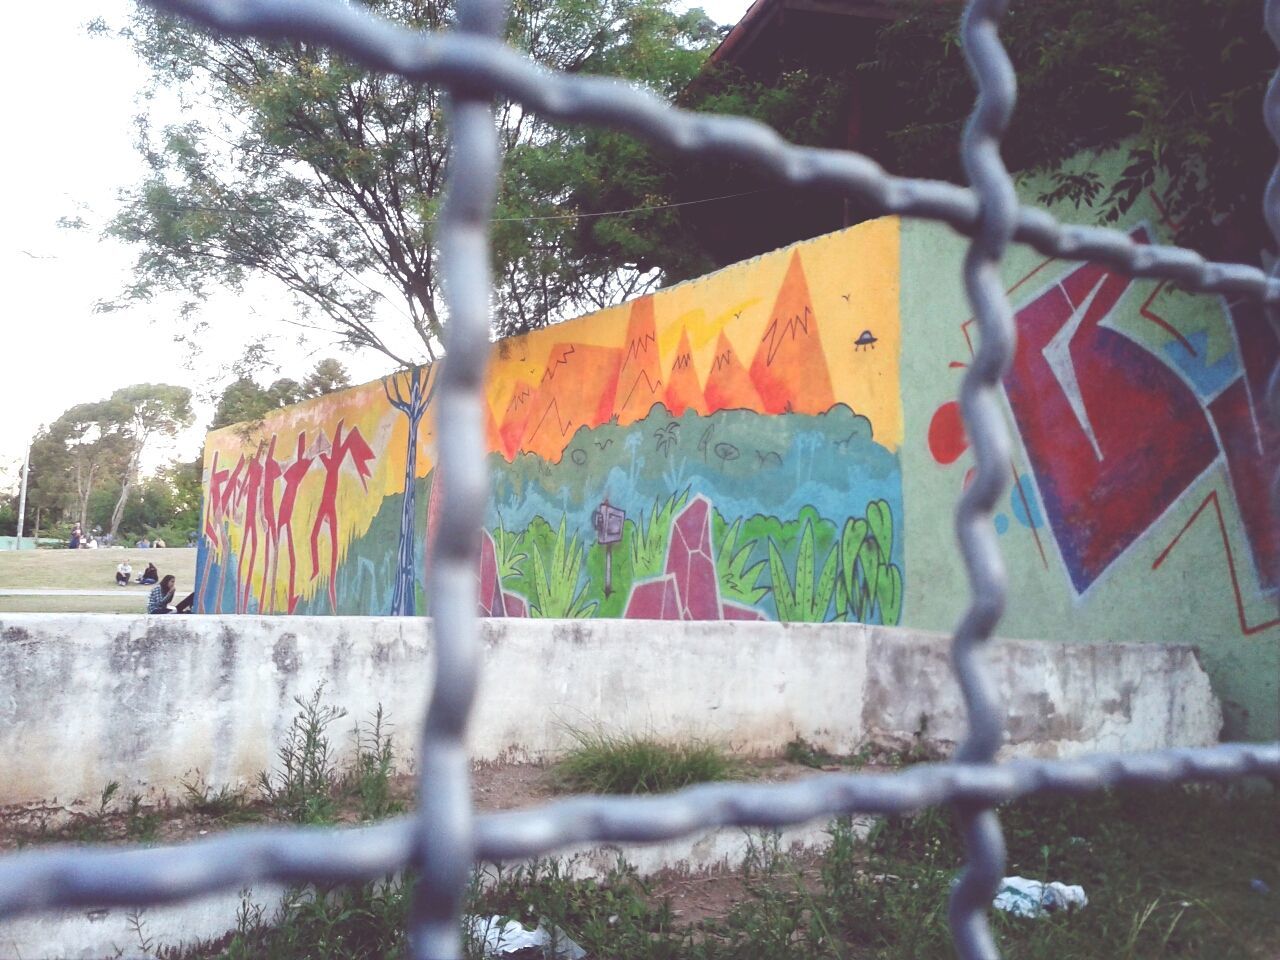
x=608, y=521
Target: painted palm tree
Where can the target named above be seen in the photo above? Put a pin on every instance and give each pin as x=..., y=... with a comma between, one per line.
x=667, y=437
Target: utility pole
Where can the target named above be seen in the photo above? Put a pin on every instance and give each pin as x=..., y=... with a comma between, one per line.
x=22, y=497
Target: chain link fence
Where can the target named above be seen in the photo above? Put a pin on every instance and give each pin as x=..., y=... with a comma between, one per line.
x=443, y=840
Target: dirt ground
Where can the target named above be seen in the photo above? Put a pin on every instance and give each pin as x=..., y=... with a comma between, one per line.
x=176, y=818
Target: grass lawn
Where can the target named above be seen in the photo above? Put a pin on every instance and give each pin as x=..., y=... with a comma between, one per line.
x=90, y=569
x=126, y=602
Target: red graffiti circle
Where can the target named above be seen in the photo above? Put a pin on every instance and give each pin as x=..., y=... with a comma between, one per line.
x=946, y=433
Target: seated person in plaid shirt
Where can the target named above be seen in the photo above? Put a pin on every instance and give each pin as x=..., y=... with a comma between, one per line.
x=161, y=596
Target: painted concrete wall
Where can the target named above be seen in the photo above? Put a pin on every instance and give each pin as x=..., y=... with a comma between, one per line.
x=145, y=701
x=1139, y=506
x=783, y=440
x=725, y=449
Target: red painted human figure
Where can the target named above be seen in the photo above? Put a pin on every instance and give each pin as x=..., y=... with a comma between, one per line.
x=271, y=474
x=354, y=445
x=251, y=496
x=213, y=517
x=292, y=477
x=230, y=494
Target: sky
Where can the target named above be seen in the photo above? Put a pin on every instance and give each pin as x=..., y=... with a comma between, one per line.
x=74, y=98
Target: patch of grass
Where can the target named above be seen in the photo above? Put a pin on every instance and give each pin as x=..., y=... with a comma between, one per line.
x=304, y=784
x=1167, y=873
x=806, y=754
x=601, y=762
x=91, y=569
x=918, y=750
x=93, y=828
x=226, y=803
x=125, y=603
x=140, y=824
x=369, y=779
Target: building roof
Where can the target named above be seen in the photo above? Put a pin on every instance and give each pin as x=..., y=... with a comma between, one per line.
x=770, y=26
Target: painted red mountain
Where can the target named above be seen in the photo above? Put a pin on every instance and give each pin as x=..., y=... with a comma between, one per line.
x=728, y=386
x=577, y=388
x=640, y=379
x=790, y=367
x=516, y=419
x=684, y=392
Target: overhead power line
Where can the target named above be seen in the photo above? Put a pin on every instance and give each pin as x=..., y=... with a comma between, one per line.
x=195, y=207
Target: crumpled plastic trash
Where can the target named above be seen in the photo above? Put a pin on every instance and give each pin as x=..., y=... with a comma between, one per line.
x=511, y=939
x=1032, y=898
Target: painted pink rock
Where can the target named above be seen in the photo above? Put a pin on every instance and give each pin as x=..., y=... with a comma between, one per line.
x=691, y=561
x=734, y=611
x=690, y=589
x=515, y=604
x=491, y=597
x=654, y=600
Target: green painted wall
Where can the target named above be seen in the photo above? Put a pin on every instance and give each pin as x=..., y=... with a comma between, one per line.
x=1155, y=380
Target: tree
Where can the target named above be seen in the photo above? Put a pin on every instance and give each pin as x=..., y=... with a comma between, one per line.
x=305, y=168
x=73, y=456
x=1177, y=83
x=243, y=401
x=144, y=412
x=328, y=376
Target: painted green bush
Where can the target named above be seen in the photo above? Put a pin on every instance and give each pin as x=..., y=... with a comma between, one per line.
x=739, y=578
x=856, y=574
x=807, y=599
x=508, y=554
x=649, y=542
x=870, y=584
x=811, y=570
x=558, y=578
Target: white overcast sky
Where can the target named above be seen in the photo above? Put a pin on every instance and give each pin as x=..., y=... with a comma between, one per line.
x=70, y=103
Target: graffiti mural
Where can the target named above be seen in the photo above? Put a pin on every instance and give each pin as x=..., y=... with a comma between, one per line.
x=1117, y=429
x=724, y=449
x=1138, y=504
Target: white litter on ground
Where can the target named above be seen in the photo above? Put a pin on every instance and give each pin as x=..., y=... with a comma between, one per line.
x=505, y=939
x=1032, y=898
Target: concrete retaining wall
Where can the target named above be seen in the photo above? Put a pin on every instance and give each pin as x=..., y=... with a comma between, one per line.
x=88, y=699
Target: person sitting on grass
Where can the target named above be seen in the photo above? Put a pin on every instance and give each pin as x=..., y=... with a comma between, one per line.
x=123, y=573
x=162, y=596
x=150, y=575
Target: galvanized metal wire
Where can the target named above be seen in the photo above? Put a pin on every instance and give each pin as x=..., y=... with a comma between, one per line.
x=443, y=840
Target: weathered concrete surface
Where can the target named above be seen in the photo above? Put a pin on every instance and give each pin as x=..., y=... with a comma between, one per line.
x=86, y=699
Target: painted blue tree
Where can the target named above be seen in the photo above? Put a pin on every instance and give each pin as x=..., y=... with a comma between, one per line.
x=421, y=386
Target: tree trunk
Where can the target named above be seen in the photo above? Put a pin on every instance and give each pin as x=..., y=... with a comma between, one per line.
x=36, y=532
x=135, y=464
x=83, y=489
x=403, y=600
x=117, y=514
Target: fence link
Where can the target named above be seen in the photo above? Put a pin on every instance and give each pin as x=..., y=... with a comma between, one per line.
x=443, y=840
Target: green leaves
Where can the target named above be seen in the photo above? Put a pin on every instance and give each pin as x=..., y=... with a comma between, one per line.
x=806, y=600
x=559, y=584
x=858, y=573
x=649, y=540
x=1177, y=85
x=738, y=581
x=305, y=168
x=508, y=555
